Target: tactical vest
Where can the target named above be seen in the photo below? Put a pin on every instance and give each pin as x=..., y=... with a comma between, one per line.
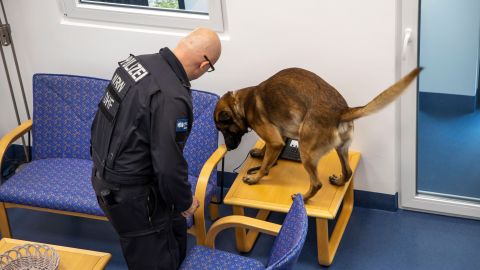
x=127, y=77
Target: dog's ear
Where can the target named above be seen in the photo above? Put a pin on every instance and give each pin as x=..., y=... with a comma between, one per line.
x=224, y=116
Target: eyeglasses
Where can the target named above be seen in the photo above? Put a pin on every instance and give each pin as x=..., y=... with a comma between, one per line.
x=212, y=68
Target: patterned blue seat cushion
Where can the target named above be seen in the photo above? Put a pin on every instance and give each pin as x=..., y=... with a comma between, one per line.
x=202, y=258
x=62, y=184
x=55, y=183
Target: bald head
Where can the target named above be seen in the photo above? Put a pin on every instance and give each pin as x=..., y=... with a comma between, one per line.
x=191, y=50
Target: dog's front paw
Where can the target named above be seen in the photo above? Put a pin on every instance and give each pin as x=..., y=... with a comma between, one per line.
x=257, y=153
x=335, y=180
x=249, y=180
x=253, y=170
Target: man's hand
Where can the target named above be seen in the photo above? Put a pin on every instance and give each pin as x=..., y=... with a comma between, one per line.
x=192, y=209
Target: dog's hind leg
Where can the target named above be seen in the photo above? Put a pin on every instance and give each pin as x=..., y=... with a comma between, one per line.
x=345, y=131
x=310, y=158
x=314, y=142
x=342, y=152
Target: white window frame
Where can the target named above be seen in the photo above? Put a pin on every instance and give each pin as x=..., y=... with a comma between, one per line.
x=148, y=17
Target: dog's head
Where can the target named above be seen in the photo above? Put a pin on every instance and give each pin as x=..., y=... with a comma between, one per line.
x=229, y=121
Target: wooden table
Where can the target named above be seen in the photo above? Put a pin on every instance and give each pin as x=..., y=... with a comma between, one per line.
x=70, y=258
x=273, y=192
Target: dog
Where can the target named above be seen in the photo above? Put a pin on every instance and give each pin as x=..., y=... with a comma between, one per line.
x=296, y=103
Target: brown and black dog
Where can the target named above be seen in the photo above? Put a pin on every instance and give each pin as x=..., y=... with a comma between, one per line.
x=298, y=104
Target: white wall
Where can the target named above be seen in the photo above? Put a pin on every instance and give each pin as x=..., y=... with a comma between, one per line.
x=349, y=43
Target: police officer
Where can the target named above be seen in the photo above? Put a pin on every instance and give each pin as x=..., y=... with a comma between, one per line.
x=138, y=134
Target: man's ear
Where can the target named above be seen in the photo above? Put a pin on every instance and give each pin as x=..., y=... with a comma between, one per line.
x=224, y=116
x=204, y=65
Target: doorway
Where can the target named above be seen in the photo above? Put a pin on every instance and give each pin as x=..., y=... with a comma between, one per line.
x=440, y=161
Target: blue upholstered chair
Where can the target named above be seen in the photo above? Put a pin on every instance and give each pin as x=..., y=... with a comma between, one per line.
x=58, y=177
x=284, y=254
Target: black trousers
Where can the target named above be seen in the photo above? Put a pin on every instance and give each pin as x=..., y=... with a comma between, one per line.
x=152, y=236
x=161, y=250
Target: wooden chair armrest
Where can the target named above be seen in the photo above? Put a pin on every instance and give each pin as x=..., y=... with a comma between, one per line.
x=240, y=221
x=12, y=136
x=201, y=189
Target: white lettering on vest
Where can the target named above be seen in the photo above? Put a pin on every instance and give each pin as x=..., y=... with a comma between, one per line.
x=128, y=61
x=137, y=72
x=118, y=83
x=108, y=101
x=134, y=68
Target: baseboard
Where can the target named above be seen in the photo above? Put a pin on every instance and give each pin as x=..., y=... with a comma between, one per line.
x=478, y=94
x=446, y=103
x=364, y=199
x=374, y=200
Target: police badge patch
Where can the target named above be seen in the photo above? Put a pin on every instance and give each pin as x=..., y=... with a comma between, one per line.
x=181, y=132
x=182, y=125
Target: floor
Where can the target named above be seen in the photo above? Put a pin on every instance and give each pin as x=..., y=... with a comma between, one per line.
x=374, y=239
x=448, y=153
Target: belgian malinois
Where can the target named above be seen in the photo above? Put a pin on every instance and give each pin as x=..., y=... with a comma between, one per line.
x=298, y=104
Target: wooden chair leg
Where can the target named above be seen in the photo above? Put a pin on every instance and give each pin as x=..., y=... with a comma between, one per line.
x=214, y=214
x=4, y=224
x=245, y=239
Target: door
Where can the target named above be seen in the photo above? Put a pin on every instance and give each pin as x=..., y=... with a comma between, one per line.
x=439, y=116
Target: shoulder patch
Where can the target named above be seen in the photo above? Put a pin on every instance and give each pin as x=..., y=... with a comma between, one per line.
x=182, y=125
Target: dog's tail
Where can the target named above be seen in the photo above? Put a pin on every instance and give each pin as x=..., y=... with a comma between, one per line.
x=382, y=100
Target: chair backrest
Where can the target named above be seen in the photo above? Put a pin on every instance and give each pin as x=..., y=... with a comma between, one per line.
x=64, y=107
x=63, y=111
x=203, y=139
x=289, y=241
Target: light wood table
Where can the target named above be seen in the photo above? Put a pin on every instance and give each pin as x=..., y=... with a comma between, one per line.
x=273, y=192
x=70, y=258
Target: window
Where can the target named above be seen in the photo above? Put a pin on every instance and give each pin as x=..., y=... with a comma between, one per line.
x=186, y=14
x=194, y=6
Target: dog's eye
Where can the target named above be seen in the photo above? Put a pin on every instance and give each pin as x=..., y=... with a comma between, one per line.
x=233, y=129
x=224, y=117
x=226, y=122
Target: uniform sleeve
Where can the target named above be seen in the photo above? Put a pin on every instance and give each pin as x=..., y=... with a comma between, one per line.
x=169, y=165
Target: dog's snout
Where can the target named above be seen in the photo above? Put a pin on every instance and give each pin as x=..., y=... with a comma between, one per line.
x=232, y=141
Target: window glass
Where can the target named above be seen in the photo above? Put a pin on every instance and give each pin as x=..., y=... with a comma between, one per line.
x=200, y=6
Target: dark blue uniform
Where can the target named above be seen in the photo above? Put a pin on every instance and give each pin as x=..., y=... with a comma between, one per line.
x=140, y=174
